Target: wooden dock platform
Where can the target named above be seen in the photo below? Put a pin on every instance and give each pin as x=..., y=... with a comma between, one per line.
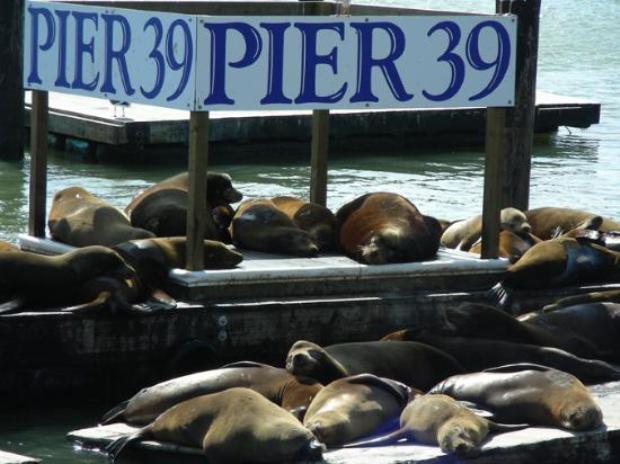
x=146, y=127
x=534, y=444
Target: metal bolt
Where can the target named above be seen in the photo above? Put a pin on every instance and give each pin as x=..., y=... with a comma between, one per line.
x=222, y=336
x=222, y=321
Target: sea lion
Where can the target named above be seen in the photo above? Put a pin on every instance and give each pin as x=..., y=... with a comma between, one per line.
x=162, y=208
x=234, y=426
x=545, y=221
x=293, y=393
x=79, y=218
x=527, y=393
x=511, y=245
x=463, y=234
x=259, y=225
x=436, y=419
x=379, y=228
x=476, y=354
x=6, y=246
x=591, y=297
x=354, y=407
x=315, y=219
x=33, y=280
x=414, y=364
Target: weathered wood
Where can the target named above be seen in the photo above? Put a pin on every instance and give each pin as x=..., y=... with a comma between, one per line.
x=493, y=170
x=11, y=88
x=38, y=163
x=318, y=162
x=520, y=119
x=198, y=221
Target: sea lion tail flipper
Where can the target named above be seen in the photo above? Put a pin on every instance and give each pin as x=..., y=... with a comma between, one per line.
x=382, y=440
x=244, y=364
x=12, y=306
x=499, y=427
x=518, y=367
x=499, y=295
x=158, y=300
x=115, y=413
x=115, y=448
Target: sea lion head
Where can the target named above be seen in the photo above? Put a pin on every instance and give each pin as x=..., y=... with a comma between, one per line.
x=383, y=246
x=461, y=437
x=304, y=358
x=219, y=256
x=220, y=189
x=93, y=261
x=515, y=221
x=581, y=415
x=319, y=222
x=295, y=241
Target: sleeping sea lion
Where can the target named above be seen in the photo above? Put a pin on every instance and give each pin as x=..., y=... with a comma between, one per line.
x=355, y=407
x=315, y=219
x=463, y=234
x=414, y=364
x=545, y=221
x=259, y=225
x=583, y=298
x=31, y=280
x=379, y=228
x=292, y=393
x=511, y=245
x=527, y=393
x=162, y=208
x=79, y=218
x=476, y=354
x=436, y=419
x=235, y=426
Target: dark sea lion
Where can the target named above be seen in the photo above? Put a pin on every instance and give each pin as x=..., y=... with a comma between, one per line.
x=259, y=225
x=79, y=218
x=355, y=407
x=436, y=419
x=162, y=208
x=315, y=219
x=32, y=280
x=545, y=221
x=527, y=393
x=235, y=426
x=379, y=228
x=591, y=297
x=511, y=245
x=414, y=364
x=463, y=234
x=291, y=392
x=476, y=354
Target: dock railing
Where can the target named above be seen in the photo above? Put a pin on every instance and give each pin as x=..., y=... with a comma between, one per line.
x=208, y=56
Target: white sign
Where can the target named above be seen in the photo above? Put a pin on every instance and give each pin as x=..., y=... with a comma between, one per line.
x=258, y=63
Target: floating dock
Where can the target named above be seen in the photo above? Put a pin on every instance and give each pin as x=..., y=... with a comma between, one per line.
x=145, y=128
x=534, y=444
x=10, y=458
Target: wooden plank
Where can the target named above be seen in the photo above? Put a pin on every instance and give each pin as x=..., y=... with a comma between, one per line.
x=520, y=118
x=319, y=154
x=494, y=162
x=197, y=196
x=38, y=163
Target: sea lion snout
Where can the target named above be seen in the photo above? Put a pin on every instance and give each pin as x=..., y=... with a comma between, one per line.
x=584, y=418
x=458, y=440
x=232, y=195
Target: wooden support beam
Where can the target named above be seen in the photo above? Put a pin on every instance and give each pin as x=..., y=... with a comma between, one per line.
x=520, y=118
x=198, y=221
x=318, y=161
x=38, y=163
x=493, y=176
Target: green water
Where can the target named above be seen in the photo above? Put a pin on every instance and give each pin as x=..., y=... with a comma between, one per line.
x=578, y=168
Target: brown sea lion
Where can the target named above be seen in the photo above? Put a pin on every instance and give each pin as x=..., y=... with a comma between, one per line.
x=79, y=218
x=315, y=219
x=162, y=208
x=436, y=419
x=414, y=364
x=30, y=280
x=527, y=393
x=6, y=246
x=354, y=407
x=545, y=221
x=476, y=354
x=511, y=245
x=463, y=234
x=259, y=225
x=292, y=393
x=379, y=228
x=234, y=426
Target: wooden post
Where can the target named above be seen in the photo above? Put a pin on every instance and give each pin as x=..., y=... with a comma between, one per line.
x=318, y=161
x=38, y=163
x=198, y=221
x=11, y=88
x=494, y=162
x=520, y=119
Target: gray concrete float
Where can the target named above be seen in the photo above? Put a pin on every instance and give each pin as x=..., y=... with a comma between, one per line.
x=11, y=458
x=534, y=444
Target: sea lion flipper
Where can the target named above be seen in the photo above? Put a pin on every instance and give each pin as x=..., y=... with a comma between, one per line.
x=100, y=302
x=499, y=295
x=383, y=440
x=500, y=427
x=244, y=364
x=517, y=367
x=115, y=413
x=398, y=389
x=159, y=300
x=116, y=447
x=12, y=306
